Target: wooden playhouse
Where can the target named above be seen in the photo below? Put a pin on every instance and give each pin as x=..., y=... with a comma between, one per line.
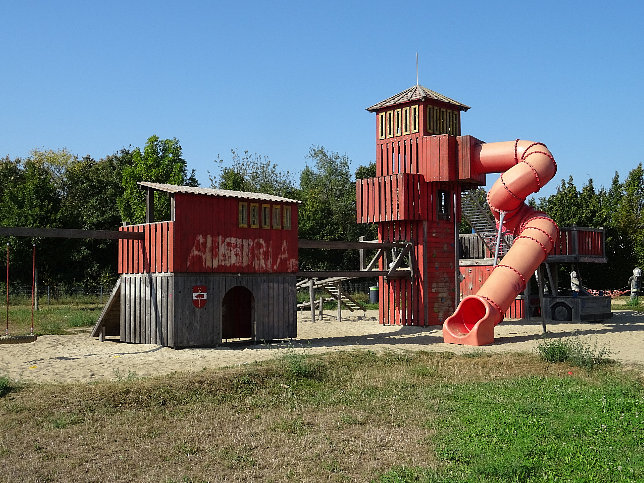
x=223, y=267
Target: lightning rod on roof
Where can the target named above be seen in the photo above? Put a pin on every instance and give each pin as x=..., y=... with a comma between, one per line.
x=416, y=68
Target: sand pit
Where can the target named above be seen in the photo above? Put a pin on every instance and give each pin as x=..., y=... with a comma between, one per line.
x=81, y=358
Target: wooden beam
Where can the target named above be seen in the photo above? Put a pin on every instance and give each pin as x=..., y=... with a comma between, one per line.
x=68, y=233
x=373, y=262
x=348, y=245
x=355, y=274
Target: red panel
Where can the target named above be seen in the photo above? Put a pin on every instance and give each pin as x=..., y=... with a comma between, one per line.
x=365, y=200
x=383, y=200
x=403, y=183
x=371, y=192
x=377, y=205
x=171, y=247
x=444, y=164
x=146, y=249
x=434, y=158
x=359, y=205
x=379, y=159
x=388, y=200
x=136, y=249
x=158, y=239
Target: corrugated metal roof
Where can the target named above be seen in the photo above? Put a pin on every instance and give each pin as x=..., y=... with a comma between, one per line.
x=195, y=190
x=416, y=93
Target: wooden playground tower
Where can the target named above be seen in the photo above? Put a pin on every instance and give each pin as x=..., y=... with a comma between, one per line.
x=422, y=164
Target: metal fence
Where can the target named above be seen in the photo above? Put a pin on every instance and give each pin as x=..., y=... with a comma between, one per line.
x=53, y=294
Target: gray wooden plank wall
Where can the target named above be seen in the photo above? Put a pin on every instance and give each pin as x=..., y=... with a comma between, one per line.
x=146, y=312
x=158, y=308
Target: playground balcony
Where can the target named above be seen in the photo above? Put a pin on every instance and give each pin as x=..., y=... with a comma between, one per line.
x=575, y=245
x=579, y=245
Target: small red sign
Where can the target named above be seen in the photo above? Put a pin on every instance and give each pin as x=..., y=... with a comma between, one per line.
x=199, y=295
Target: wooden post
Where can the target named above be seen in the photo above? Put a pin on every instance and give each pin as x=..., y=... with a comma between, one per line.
x=541, y=298
x=312, y=299
x=526, y=301
x=321, y=308
x=361, y=253
x=339, y=301
x=552, y=278
x=149, y=205
x=457, y=270
x=425, y=277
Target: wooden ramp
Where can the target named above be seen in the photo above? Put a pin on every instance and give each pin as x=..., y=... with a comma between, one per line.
x=109, y=322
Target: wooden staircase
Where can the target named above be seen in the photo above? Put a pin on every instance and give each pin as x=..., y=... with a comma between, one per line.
x=480, y=218
x=332, y=286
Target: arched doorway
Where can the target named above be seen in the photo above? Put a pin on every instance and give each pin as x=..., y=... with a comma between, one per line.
x=237, y=310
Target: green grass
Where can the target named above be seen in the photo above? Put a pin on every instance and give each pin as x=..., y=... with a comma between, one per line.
x=345, y=416
x=534, y=429
x=50, y=319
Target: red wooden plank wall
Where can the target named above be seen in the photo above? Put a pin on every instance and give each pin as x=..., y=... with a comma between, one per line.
x=153, y=254
x=208, y=238
x=473, y=279
x=465, y=145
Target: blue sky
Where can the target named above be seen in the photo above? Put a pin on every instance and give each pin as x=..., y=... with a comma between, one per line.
x=276, y=78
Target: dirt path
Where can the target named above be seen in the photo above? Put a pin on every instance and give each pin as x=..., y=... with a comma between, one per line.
x=82, y=358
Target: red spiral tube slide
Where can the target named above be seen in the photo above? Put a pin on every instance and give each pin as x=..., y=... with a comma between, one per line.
x=525, y=166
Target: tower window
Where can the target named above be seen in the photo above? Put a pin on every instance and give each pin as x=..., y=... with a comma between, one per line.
x=414, y=118
x=405, y=120
x=398, y=122
x=381, y=125
x=443, y=204
x=390, y=123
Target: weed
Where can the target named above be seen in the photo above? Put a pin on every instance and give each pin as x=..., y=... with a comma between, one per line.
x=6, y=386
x=62, y=421
x=302, y=366
x=574, y=352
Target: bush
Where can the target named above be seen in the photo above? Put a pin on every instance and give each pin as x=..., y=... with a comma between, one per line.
x=574, y=352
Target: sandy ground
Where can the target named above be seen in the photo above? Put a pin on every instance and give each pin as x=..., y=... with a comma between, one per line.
x=81, y=358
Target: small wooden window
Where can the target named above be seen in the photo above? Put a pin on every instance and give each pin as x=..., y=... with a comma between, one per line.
x=243, y=214
x=430, y=119
x=381, y=125
x=266, y=216
x=286, y=213
x=443, y=205
x=254, y=215
x=414, y=118
x=443, y=122
x=398, y=118
x=277, y=217
x=390, y=123
x=405, y=120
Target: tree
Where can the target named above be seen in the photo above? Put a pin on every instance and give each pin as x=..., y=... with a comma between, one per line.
x=254, y=173
x=366, y=171
x=328, y=210
x=160, y=162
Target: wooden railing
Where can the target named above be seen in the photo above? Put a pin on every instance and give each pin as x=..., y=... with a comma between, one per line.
x=575, y=244
x=580, y=241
